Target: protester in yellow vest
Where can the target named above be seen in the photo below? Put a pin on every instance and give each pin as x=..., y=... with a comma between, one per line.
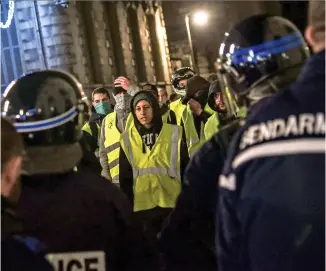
x=196, y=114
x=179, y=82
x=151, y=165
x=221, y=117
x=113, y=125
x=101, y=107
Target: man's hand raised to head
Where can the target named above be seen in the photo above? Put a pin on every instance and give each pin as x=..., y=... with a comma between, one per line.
x=195, y=107
x=122, y=82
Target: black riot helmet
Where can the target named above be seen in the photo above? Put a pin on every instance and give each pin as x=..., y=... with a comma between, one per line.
x=181, y=74
x=260, y=55
x=46, y=107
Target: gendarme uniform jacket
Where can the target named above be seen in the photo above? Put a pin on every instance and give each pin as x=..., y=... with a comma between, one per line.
x=271, y=214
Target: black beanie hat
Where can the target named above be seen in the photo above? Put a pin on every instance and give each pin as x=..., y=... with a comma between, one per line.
x=140, y=97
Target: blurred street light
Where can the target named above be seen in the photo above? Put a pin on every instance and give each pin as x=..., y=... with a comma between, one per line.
x=199, y=18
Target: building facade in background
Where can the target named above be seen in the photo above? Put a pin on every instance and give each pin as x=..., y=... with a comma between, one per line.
x=97, y=41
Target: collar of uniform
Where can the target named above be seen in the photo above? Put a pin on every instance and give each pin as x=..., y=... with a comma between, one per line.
x=52, y=159
x=314, y=65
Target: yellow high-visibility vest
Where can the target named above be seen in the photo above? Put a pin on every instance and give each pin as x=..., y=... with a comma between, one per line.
x=211, y=126
x=87, y=128
x=178, y=109
x=112, y=144
x=194, y=142
x=156, y=173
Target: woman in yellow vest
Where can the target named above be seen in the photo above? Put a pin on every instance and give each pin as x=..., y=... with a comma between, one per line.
x=151, y=165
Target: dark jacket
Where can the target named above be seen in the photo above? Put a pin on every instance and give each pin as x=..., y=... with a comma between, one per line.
x=188, y=239
x=74, y=212
x=92, y=139
x=271, y=213
x=16, y=251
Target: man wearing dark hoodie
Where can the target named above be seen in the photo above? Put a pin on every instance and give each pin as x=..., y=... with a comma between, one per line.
x=221, y=117
x=197, y=113
x=152, y=160
x=168, y=115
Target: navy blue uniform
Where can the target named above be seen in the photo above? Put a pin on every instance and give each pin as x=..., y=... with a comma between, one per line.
x=81, y=212
x=188, y=239
x=272, y=192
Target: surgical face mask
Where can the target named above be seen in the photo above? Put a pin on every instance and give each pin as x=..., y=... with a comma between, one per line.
x=103, y=108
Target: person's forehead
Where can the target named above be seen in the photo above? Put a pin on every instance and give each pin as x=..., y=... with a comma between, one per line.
x=99, y=96
x=142, y=103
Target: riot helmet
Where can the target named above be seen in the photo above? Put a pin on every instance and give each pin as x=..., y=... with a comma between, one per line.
x=180, y=75
x=46, y=107
x=261, y=55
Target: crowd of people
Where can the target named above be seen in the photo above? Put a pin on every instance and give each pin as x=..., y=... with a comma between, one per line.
x=227, y=173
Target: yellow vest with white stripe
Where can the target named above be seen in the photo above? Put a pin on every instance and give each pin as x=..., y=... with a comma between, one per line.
x=87, y=128
x=112, y=144
x=211, y=126
x=156, y=173
x=193, y=141
x=178, y=109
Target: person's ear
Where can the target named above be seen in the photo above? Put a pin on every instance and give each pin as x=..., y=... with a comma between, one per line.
x=308, y=35
x=10, y=178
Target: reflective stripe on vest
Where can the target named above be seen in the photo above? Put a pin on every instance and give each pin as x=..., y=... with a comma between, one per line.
x=156, y=173
x=172, y=171
x=193, y=141
x=112, y=145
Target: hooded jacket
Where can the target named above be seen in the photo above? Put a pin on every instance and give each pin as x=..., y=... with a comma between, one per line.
x=149, y=137
x=222, y=115
x=194, y=85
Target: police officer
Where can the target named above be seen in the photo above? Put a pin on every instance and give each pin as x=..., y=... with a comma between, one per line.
x=188, y=239
x=72, y=213
x=16, y=250
x=271, y=214
x=102, y=107
x=179, y=82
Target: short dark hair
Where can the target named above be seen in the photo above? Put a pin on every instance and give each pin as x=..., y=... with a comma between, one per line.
x=11, y=143
x=316, y=19
x=100, y=90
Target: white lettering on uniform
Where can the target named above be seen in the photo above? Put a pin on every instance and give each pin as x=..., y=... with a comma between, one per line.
x=78, y=261
x=304, y=124
x=227, y=182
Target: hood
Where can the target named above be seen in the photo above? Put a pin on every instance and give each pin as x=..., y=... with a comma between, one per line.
x=195, y=84
x=148, y=96
x=213, y=88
